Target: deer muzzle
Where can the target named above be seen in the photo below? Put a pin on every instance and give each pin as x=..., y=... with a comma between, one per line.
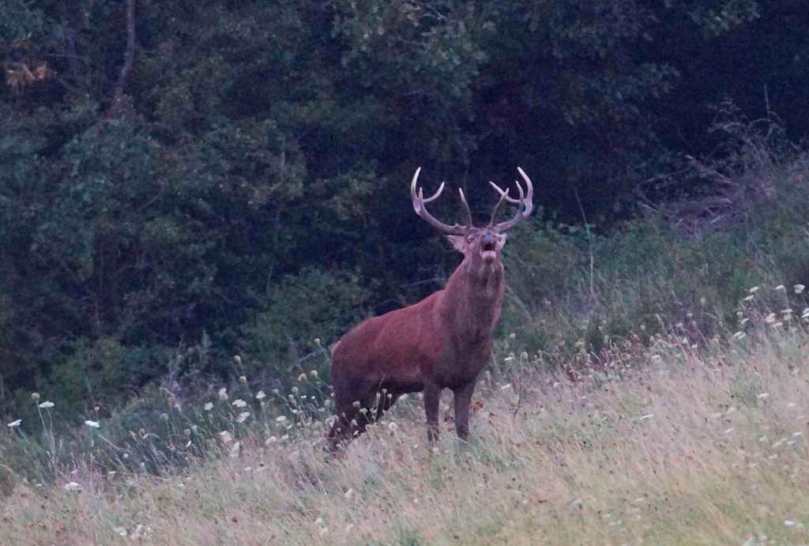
x=488, y=247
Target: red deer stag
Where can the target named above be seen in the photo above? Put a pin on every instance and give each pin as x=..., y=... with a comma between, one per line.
x=443, y=341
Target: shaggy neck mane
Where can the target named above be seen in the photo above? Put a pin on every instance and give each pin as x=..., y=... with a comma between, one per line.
x=473, y=297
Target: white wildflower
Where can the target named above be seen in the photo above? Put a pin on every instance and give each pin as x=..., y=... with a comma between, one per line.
x=14, y=424
x=72, y=486
x=780, y=287
x=754, y=289
x=92, y=424
x=302, y=377
x=243, y=379
x=260, y=395
x=208, y=406
x=799, y=288
x=223, y=394
x=140, y=532
x=313, y=374
x=243, y=417
x=35, y=396
x=281, y=419
x=47, y=404
x=239, y=403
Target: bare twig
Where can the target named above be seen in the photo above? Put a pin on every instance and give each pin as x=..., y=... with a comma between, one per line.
x=129, y=59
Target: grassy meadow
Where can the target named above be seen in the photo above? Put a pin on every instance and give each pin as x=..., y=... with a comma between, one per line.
x=667, y=444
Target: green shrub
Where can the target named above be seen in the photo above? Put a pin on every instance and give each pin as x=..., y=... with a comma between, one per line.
x=302, y=313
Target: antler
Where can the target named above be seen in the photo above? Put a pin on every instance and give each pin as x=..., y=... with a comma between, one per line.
x=469, y=221
x=419, y=202
x=526, y=203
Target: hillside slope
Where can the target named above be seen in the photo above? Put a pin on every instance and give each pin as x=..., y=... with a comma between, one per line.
x=666, y=445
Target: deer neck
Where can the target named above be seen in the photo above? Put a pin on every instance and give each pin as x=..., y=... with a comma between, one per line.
x=473, y=298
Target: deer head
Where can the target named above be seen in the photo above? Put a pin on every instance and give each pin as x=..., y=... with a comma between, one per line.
x=479, y=245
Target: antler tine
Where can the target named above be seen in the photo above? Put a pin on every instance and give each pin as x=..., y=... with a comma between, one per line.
x=529, y=185
x=503, y=196
x=466, y=206
x=417, y=197
x=501, y=191
x=526, y=202
x=435, y=195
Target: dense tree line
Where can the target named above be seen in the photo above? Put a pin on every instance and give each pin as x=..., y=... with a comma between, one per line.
x=185, y=180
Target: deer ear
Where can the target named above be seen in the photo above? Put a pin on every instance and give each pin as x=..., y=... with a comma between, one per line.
x=458, y=242
x=501, y=241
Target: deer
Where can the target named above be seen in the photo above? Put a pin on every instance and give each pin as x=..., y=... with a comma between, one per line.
x=442, y=342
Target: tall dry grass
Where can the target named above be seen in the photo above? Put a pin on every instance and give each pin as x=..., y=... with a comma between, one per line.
x=662, y=445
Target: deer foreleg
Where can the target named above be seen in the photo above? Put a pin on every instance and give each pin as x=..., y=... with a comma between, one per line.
x=432, y=397
x=463, y=397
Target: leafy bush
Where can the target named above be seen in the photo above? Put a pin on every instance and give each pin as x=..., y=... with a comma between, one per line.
x=303, y=313
x=576, y=290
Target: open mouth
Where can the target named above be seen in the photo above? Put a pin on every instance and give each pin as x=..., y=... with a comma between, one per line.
x=487, y=251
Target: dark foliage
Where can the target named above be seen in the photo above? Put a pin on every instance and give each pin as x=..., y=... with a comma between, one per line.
x=242, y=186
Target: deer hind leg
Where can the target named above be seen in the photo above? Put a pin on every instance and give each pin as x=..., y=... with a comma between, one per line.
x=432, y=398
x=463, y=397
